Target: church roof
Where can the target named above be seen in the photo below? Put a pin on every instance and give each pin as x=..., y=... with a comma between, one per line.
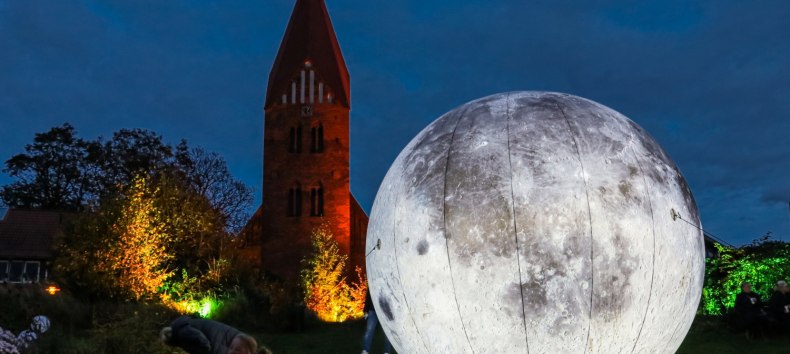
x=309, y=36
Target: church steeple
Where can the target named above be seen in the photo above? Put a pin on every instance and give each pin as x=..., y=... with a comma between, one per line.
x=306, y=154
x=309, y=64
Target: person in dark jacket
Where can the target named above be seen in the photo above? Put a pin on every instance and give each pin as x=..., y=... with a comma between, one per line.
x=779, y=306
x=749, y=311
x=199, y=336
x=370, y=329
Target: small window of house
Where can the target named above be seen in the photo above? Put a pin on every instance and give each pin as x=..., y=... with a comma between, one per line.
x=3, y=270
x=31, y=271
x=15, y=271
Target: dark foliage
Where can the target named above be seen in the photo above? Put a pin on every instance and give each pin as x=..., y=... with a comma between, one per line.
x=61, y=171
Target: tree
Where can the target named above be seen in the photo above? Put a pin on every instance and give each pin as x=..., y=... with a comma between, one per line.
x=156, y=240
x=208, y=174
x=130, y=153
x=121, y=251
x=139, y=256
x=61, y=171
x=761, y=263
x=327, y=293
x=50, y=172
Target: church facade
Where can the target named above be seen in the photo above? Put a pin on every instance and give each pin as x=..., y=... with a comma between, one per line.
x=306, y=153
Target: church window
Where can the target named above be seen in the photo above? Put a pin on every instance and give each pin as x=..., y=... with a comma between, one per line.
x=295, y=139
x=317, y=201
x=317, y=138
x=295, y=201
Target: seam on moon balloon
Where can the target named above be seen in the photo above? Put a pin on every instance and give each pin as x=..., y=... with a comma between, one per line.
x=397, y=268
x=653, y=268
x=678, y=326
x=515, y=227
x=444, y=223
x=589, y=214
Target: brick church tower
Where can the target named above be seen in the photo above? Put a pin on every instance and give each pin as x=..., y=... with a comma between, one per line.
x=306, y=149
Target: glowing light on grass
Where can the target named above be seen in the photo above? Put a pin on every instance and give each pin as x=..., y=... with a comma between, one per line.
x=206, y=307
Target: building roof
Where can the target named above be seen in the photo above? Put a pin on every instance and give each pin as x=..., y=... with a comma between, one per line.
x=309, y=36
x=29, y=234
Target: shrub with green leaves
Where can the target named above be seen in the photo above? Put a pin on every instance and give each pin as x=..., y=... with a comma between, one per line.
x=761, y=263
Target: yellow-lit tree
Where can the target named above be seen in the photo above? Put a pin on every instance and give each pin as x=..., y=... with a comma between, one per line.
x=158, y=240
x=121, y=250
x=327, y=292
x=140, y=256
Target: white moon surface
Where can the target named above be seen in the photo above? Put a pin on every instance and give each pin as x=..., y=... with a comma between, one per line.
x=534, y=222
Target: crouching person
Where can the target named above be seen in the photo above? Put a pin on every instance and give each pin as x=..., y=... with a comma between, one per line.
x=199, y=336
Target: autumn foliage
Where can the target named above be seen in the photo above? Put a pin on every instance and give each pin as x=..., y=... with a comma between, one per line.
x=328, y=293
x=155, y=241
x=140, y=255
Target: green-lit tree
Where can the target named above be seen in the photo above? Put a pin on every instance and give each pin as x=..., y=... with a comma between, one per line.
x=761, y=263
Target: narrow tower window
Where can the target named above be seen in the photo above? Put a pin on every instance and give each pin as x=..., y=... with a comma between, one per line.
x=295, y=201
x=317, y=201
x=295, y=139
x=317, y=138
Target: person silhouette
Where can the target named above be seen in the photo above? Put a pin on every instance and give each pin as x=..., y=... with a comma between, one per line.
x=370, y=328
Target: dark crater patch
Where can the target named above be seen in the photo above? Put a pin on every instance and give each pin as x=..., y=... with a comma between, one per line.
x=561, y=310
x=485, y=207
x=632, y=171
x=614, y=279
x=625, y=188
x=385, y=307
x=422, y=247
x=513, y=300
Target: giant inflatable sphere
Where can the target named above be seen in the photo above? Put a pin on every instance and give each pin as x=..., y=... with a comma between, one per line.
x=534, y=222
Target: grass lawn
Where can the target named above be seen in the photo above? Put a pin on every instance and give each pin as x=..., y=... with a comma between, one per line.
x=711, y=336
x=706, y=336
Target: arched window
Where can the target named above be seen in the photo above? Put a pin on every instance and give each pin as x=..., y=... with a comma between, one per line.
x=295, y=139
x=317, y=201
x=317, y=138
x=295, y=201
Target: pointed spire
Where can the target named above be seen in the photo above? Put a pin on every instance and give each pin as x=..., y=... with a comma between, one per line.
x=309, y=37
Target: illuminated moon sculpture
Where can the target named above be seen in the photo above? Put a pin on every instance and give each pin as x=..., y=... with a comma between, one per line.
x=534, y=222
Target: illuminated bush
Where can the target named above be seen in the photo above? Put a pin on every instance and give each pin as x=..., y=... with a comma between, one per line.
x=158, y=241
x=205, y=307
x=327, y=292
x=762, y=263
x=139, y=257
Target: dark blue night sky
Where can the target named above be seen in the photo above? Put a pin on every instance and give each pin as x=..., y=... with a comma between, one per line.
x=709, y=79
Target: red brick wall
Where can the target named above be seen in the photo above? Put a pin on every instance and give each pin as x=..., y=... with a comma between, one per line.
x=359, y=230
x=286, y=239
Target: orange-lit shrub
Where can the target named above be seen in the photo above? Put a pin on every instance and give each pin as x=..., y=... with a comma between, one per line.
x=327, y=292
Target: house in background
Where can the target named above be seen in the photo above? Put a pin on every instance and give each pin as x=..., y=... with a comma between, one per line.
x=26, y=244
